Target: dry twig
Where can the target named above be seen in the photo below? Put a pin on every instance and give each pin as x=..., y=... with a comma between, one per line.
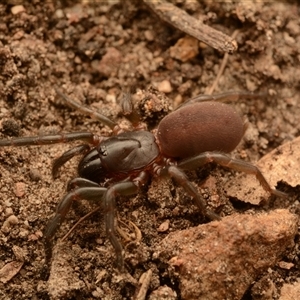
x=190, y=25
x=144, y=280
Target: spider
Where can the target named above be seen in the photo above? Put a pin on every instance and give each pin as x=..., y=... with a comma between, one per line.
x=202, y=130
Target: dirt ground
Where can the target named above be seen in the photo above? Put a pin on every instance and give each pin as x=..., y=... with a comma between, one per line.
x=94, y=51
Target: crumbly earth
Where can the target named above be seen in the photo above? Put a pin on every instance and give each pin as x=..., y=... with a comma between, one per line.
x=94, y=51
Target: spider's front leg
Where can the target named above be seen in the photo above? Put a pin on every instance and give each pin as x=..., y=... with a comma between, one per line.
x=87, y=111
x=66, y=156
x=124, y=188
x=93, y=193
x=50, y=139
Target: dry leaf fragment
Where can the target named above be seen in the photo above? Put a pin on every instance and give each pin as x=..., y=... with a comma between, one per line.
x=10, y=270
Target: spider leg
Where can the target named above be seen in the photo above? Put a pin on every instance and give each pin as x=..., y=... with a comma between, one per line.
x=103, y=119
x=79, y=182
x=66, y=156
x=49, y=139
x=225, y=160
x=130, y=113
x=124, y=188
x=88, y=193
x=224, y=97
x=182, y=180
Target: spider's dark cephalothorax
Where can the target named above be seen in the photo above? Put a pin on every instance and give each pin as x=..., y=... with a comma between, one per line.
x=200, y=131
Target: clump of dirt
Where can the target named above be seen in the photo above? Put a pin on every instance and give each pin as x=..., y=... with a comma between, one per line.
x=94, y=52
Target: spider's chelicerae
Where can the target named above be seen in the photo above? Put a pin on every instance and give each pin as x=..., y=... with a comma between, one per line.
x=200, y=131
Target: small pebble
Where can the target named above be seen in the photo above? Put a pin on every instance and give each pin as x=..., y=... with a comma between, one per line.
x=149, y=35
x=9, y=222
x=285, y=265
x=8, y=211
x=186, y=48
x=59, y=13
x=20, y=189
x=34, y=174
x=164, y=86
x=23, y=233
x=17, y=9
x=163, y=227
x=111, y=98
x=163, y=293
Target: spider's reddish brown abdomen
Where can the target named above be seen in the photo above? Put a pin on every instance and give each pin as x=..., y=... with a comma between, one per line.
x=200, y=127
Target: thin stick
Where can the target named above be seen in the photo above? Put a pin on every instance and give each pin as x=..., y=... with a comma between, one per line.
x=79, y=221
x=181, y=20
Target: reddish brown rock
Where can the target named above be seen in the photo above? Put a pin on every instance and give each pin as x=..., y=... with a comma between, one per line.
x=290, y=291
x=221, y=259
x=110, y=62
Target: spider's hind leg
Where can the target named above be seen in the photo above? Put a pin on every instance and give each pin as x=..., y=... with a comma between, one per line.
x=180, y=177
x=225, y=160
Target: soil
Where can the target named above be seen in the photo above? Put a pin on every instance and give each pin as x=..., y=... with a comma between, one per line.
x=94, y=51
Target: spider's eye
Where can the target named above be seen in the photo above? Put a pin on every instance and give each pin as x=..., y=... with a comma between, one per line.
x=103, y=151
